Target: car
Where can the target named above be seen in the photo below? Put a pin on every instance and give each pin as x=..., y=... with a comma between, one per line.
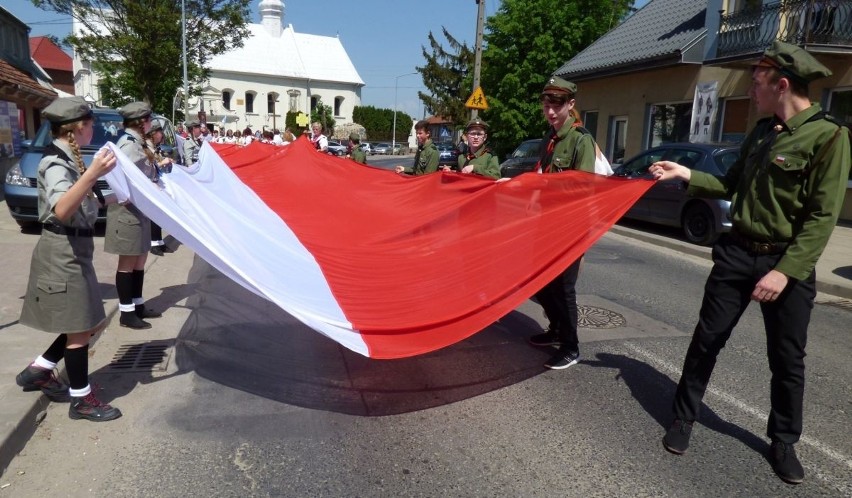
x=666, y=203
x=21, y=187
x=337, y=148
x=399, y=148
x=365, y=146
x=381, y=148
x=523, y=159
x=449, y=155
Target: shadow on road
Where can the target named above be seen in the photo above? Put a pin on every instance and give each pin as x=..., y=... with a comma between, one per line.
x=237, y=339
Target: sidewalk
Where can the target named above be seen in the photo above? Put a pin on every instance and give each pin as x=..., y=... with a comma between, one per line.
x=21, y=412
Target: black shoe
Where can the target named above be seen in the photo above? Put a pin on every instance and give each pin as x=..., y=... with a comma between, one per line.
x=549, y=338
x=90, y=408
x=676, y=439
x=34, y=378
x=130, y=320
x=166, y=248
x=563, y=359
x=143, y=312
x=785, y=463
x=157, y=250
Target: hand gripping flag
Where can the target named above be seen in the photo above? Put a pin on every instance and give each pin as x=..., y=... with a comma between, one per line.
x=387, y=265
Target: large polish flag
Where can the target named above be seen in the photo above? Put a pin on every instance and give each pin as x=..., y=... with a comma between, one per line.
x=387, y=265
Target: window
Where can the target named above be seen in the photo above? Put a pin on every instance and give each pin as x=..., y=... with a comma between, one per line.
x=314, y=101
x=271, y=100
x=618, y=138
x=669, y=123
x=734, y=120
x=590, y=122
x=226, y=99
x=338, y=103
x=250, y=102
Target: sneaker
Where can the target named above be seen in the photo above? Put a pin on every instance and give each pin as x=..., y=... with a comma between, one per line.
x=130, y=320
x=563, y=359
x=676, y=439
x=549, y=338
x=34, y=378
x=90, y=408
x=785, y=463
x=143, y=312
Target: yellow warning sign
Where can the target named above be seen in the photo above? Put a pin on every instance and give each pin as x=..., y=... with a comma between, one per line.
x=477, y=100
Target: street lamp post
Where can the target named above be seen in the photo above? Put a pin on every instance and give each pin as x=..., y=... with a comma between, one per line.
x=183, y=49
x=395, y=87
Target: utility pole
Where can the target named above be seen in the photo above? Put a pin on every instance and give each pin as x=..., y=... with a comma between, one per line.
x=477, y=64
x=183, y=49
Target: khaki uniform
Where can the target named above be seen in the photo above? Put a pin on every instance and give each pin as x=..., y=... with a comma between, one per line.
x=63, y=295
x=128, y=231
x=190, y=151
x=483, y=162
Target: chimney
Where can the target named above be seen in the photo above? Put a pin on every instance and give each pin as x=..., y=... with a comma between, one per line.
x=271, y=16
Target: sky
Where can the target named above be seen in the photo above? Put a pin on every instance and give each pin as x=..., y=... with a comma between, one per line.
x=383, y=38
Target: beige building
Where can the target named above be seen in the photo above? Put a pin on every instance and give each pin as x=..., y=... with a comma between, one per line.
x=639, y=84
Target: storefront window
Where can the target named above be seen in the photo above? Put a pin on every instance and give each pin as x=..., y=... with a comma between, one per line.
x=669, y=123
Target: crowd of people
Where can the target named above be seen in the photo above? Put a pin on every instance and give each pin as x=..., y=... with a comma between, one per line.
x=787, y=189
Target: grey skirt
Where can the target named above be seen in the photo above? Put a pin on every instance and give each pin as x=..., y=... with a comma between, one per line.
x=63, y=294
x=128, y=231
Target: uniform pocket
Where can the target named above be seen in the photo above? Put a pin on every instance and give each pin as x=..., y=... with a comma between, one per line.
x=128, y=217
x=51, y=294
x=790, y=164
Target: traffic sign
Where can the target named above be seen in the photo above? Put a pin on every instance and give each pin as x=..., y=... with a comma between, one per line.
x=477, y=100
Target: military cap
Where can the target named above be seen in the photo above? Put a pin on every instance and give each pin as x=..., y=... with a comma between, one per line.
x=555, y=84
x=135, y=110
x=156, y=125
x=67, y=110
x=794, y=62
x=192, y=124
x=354, y=136
x=476, y=122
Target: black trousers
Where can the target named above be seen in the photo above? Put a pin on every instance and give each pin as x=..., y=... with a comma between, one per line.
x=726, y=295
x=559, y=300
x=156, y=232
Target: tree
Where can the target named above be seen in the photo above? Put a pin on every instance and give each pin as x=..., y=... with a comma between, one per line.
x=323, y=114
x=135, y=45
x=525, y=42
x=448, y=76
x=378, y=123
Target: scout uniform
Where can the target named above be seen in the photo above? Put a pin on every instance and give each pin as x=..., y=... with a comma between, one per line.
x=191, y=145
x=426, y=159
x=484, y=163
x=569, y=147
x=787, y=188
x=357, y=154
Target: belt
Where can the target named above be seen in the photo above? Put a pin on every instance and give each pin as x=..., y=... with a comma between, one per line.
x=72, y=231
x=755, y=247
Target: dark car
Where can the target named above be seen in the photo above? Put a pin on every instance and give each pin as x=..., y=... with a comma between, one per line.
x=449, y=155
x=21, y=187
x=523, y=159
x=666, y=203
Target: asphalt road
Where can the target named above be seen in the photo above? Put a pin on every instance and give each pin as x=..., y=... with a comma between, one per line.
x=251, y=403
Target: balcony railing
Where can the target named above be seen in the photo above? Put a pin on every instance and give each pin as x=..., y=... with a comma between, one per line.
x=802, y=22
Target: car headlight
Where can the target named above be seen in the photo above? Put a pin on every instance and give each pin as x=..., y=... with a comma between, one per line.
x=16, y=177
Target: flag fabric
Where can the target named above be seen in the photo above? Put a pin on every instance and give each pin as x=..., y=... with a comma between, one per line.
x=387, y=265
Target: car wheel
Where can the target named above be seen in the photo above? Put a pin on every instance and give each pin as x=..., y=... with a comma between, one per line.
x=699, y=227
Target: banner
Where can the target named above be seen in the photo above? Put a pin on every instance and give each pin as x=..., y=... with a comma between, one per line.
x=704, y=106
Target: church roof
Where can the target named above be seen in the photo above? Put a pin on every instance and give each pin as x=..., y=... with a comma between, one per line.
x=292, y=55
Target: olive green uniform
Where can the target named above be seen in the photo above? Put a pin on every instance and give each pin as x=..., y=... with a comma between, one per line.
x=484, y=163
x=426, y=159
x=358, y=155
x=571, y=149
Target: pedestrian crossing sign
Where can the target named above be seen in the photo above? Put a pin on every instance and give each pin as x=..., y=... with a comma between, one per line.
x=477, y=100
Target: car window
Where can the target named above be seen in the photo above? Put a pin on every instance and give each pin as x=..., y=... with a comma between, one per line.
x=639, y=165
x=727, y=159
x=685, y=157
x=527, y=149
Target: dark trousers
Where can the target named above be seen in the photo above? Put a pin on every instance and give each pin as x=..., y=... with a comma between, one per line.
x=156, y=232
x=726, y=295
x=559, y=300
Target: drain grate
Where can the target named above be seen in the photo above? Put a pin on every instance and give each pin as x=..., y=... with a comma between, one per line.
x=844, y=304
x=151, y=356
x=591, y=317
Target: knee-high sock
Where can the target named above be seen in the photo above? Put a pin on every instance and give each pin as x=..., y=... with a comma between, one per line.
x=138, y=283
x=56, y=350
x=124, y=287
x=77, y=366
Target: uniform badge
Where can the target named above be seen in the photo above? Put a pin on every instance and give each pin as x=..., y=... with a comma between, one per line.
x=780, y=159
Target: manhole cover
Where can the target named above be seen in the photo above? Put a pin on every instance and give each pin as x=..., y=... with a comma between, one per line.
x=151, y=356
x=591, y=317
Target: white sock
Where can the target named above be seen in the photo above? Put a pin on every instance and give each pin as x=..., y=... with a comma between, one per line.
x=157, y=243
x=79, y=393
x=45, y=364
x=126, y=307
x=138, y=300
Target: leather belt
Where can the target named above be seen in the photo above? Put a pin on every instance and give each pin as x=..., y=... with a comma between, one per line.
x=72, y=231
x=753, y=246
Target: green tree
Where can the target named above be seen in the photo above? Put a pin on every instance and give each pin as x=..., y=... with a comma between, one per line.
x=323, y=114
x=525, y=42
x=378, y=123
x=448, y=76
x=135, y=45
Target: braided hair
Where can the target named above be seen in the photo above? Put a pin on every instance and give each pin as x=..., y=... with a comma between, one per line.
x=66, y=131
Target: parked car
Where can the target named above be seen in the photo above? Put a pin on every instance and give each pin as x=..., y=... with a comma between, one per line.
x=365, y=146
x=381, y=148
x=449, y=155
x=21, y=187
x=400, y=148
x=523, y=159
x=666, y=203
x=337, y=148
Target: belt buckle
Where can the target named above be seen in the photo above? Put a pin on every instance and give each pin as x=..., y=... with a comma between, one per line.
x=764, y=248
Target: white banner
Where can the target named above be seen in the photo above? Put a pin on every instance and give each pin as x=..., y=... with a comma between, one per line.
x=704, y=106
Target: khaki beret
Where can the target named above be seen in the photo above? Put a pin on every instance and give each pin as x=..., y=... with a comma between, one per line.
x=476, y=122
x=156, y=125
x=555, y=84
x=135, y=110
x=794, y=62
x=67, y=110
x=354, y=137
x=192, y=124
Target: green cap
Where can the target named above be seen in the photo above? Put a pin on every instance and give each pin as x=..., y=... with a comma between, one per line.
x=67, y=110
x=476, y=122
x=135, y=110
x=794, y=62
x=555, y=84
x=355, y=137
